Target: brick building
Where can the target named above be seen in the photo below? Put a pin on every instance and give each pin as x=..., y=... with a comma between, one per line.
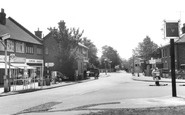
x=179, y=55
x=25, y=48
x=51, y=52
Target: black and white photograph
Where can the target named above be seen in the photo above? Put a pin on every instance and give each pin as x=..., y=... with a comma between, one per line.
x=92, y=57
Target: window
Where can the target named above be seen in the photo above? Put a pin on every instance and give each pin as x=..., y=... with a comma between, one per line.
x=10, y=46
x=19, y=47
x=1, y=47
x=39, y=50
x=46, y=50
x=29, y=48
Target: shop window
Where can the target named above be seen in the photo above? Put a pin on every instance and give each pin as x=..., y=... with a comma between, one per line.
x=20, y=47
x=29, y=49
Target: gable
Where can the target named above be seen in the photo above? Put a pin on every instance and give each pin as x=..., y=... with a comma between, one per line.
x=18, y=32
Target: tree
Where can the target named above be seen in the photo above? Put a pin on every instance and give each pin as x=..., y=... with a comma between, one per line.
x=92, y=52
x=146, y=49
x=67, y=40
x=111, y=54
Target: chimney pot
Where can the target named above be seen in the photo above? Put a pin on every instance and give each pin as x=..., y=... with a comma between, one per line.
x=38, y=33
x=2, y=17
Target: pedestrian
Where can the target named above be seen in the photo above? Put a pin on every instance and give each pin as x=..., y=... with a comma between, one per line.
x=156, y=76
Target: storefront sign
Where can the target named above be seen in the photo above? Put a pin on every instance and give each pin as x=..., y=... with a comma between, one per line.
x=34, y=61
x=15, y=59
x=19, y=60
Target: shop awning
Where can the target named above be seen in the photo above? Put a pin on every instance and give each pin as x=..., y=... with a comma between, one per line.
x=22, y=66
x=2, y=66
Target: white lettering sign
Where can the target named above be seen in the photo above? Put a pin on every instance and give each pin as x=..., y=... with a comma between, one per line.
x=34, y=61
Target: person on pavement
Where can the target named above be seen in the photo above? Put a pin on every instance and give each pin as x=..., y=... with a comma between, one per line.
x=156, y=76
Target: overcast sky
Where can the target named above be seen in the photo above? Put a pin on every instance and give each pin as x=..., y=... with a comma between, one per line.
x=121, y=24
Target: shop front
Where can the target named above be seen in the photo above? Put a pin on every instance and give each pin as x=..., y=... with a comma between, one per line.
x=38, y=71
x=21, y=71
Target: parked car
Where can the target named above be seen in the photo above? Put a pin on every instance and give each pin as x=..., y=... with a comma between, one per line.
x=60, y=76
x=93, y=72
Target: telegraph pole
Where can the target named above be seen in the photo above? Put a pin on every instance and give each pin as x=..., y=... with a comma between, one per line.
x=3, y=39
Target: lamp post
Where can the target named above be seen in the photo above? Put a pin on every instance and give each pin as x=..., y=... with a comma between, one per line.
x=3, y=41
x=105, y=60
x=110, y=65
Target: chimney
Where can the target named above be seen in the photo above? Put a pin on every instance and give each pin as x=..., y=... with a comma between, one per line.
x=183, y=29
x=2, y=17
x=38, y=33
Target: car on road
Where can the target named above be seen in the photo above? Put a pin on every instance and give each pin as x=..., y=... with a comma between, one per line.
x=93, y=72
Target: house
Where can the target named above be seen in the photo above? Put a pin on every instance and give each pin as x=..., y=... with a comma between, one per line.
x=179, y=55
x=52, y=60
x=24, y=50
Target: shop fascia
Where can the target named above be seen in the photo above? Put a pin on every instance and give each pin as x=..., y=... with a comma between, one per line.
x=20, y=60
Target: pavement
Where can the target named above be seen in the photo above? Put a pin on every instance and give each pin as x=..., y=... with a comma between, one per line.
x=19, y=89
x=150, y=79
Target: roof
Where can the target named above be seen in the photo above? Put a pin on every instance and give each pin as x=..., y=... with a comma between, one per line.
x=18, y=32
x=182, y=39
x=80, y=44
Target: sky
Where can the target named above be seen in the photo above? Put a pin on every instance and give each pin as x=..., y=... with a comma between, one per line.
x=121, y=24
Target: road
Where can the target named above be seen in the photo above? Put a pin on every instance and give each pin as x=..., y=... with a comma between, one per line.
x=75, y=99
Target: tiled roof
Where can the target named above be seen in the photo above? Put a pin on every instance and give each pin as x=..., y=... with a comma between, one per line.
x=182, y=39
x=18, y=32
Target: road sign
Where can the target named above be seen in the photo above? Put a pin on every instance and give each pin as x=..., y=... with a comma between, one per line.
x=152, y=61
x=51, y=64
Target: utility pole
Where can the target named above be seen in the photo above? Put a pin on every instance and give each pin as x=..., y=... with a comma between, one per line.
x=3, y=40
x=133, y=71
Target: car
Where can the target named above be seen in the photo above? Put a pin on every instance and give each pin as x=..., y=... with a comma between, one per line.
x=93, y=72
x=59, y=77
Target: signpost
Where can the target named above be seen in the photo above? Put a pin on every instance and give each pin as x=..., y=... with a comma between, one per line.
x=172, y=32
x=49, y=64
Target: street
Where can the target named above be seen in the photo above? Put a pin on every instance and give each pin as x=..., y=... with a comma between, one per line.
x=103, y=93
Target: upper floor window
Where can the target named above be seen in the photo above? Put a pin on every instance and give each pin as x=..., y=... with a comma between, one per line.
x=39, y=50
x=29, y=48
x=10, y=45
x=46, y=50
x=19, y=47
x=1, y=47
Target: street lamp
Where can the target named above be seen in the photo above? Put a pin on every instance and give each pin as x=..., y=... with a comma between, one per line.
x=110, y=65
x=3, y=41
x=105, y=60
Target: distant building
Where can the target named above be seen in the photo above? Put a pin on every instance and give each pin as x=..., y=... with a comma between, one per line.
x=25, y=48
x=51, y=52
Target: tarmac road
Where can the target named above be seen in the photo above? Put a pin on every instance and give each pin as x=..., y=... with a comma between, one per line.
x=116, y=93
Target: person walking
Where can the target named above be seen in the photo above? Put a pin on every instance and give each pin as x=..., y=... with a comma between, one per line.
x=156, y=76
